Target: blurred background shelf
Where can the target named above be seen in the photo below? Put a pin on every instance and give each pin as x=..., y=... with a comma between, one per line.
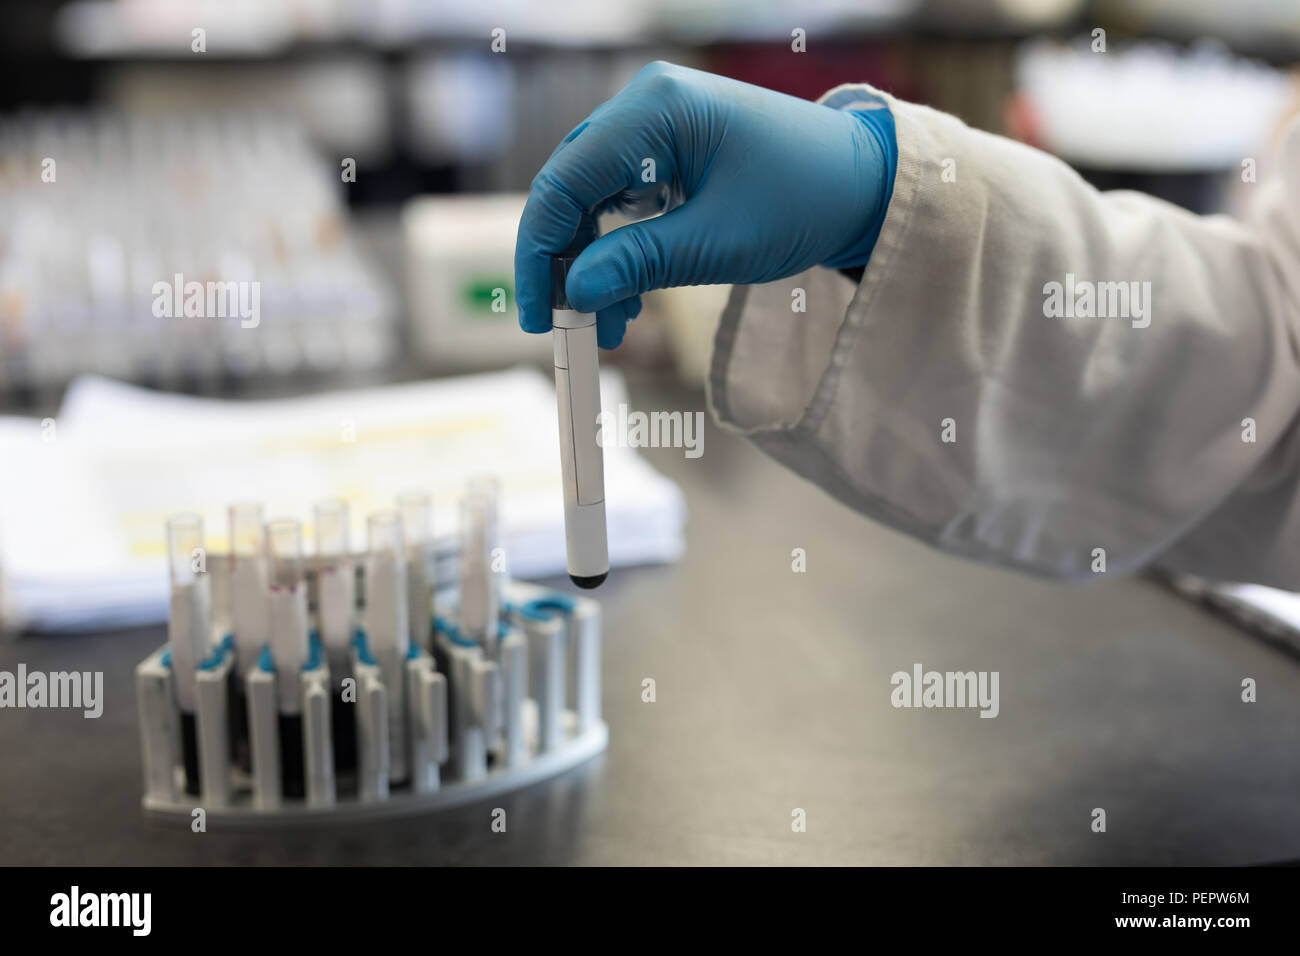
x=411, y=96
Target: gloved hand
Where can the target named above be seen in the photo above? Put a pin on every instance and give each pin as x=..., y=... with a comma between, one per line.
x=755, y=186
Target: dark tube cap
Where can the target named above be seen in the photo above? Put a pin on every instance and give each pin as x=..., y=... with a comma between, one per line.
x=560, y=266
x=587, y=583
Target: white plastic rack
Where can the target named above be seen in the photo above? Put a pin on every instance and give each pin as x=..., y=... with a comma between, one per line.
x=465, y=720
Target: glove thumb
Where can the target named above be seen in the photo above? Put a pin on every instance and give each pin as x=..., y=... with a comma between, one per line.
x=654, y=254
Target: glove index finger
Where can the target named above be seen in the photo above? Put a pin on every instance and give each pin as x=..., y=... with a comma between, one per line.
x=547, y=226
x=591, y=168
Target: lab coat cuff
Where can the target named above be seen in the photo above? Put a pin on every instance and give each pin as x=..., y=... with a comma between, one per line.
x=781, y=347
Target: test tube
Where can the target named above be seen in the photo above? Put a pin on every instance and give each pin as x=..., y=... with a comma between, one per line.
x=184, y=539
x=331, y=529
x=388, y=626
x=189, y=627
x=577, y=398
x=284, y=540
x=416, y=511
x=336, y=602
x=249, y=610
x=335, y=581
x=479, y=585
x=289, y=645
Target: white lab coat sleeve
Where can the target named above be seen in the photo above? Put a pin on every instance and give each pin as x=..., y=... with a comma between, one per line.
x=938, y=396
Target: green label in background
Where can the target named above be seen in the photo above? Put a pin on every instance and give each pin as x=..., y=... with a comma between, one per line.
x=480, y=293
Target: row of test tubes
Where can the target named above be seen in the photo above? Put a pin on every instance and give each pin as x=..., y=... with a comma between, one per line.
x=316, y=671
x=100, y=207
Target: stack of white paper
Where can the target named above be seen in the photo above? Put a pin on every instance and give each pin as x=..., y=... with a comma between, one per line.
x=84, y=499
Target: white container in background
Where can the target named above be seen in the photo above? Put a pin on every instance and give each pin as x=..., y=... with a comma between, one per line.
x=460, y=250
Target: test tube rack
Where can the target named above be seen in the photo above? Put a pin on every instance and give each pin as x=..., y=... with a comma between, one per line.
x=474, y=727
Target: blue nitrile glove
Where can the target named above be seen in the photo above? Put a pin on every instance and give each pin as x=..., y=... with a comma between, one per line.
x=755, y=185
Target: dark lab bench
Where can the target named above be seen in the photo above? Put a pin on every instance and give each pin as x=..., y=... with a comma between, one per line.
x=773, y=693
